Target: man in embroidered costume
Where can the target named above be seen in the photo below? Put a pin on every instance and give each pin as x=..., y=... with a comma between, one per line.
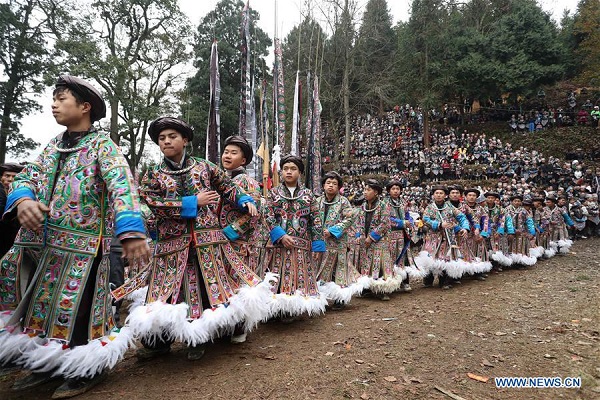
x=524, y=230
x=56, y=277
x=191, y=296
x=373, y=225
x=535, y=250
x=556, y=219
x=441, y=254
x=475, y=240
x=498, y=226
x=8, y=227
x=247, y=233
x=337, y=276
x=400, y=237
x=295, y=230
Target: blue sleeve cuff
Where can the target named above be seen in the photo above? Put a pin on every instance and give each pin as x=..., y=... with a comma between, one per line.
x=501, y=231
x=189, y=207
x=397, y=222
x=484, y=234
x=357, y=235
x=318, y=246
x=375, y=236
x=336, y=231
x=530, y=226
x=18, y=194
x=230, y=233
x=435, y=225
x=129, y=221
x=277, y=233
x=568, y=220
x=464, y=222
x=457, y=228
x=243, y=200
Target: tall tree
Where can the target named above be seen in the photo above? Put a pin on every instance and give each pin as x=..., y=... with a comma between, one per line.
x=375, y=52
x=338, y=83
x=301, y=48
x=587, y=32
x=24, y=58
x=525, y=44
x=134, y=49
x=221, y=24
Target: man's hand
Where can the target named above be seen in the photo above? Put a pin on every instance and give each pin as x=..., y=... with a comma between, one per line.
x=368, y=242
x=326, y=233
x=252, y=210
x=207, y=198
x=136, y=250
x=446, y=224
x=463, y=233
x=287, y=242
x=31, y=214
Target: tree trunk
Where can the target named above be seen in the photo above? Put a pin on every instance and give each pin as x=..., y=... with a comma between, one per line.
x=114, y=121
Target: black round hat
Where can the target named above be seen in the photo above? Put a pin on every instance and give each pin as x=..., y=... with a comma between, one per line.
x=242, y=143
x=87, y=92
x=162, y=123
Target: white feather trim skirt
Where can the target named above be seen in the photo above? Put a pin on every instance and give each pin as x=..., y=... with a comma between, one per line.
x=159, y=320
x=45, y=355
x=333, y=291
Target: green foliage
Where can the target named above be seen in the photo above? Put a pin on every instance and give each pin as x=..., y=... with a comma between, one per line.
x=375, y=52
x=222, y=24
x=133, y=49
x=586, y=29
x=24, y=59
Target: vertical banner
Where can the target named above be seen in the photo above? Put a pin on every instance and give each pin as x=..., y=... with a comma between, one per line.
x=213, y=129
x=263, y=149
x=313, y=175
x=245, y=94
x=279, y=98
x=294, y=148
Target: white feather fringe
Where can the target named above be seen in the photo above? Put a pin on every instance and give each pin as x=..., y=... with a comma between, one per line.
x=501, y=259
x=537, y=252
x=454, y=269
x=297, y=304
x=249, y=305
x=564, y=246
x=522, y=259
x=14, y=345
x=137, y=297
x=43, y=355
x=335, y=292
x=549, y=253
x=384, y=286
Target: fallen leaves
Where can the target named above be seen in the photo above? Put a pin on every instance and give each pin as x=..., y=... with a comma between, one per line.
x=390, y=378
x=478, y=378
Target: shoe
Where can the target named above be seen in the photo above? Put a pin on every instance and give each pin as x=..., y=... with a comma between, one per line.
x=447, y=287
x=196, y=352
x=33, y=380
x=146, y=353
x=499, y=269
x=237, y=339
x=385, y=297
x=427, y=285
x=76, y=386
x=456, y=282
x=406, y=287
x=338, y=305
x=480, y=278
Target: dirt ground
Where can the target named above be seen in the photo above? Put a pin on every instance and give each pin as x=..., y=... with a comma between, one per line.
x=542, y=321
